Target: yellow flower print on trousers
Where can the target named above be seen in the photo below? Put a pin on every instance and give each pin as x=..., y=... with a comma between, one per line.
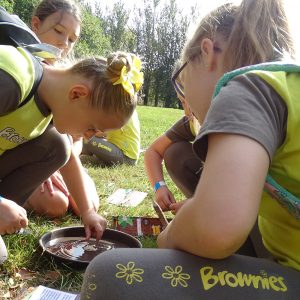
x=129, y=272
x=176, y=276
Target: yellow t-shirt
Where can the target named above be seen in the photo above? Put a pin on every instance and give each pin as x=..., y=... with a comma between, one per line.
x=128, y=137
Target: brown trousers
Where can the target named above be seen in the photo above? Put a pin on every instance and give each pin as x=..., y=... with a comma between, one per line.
x=25, y=167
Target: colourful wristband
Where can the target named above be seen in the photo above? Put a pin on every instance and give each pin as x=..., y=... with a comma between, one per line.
x=158, y=185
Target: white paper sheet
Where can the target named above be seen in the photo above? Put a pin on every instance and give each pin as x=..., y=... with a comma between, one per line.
x=126, y=197
x=45, y=293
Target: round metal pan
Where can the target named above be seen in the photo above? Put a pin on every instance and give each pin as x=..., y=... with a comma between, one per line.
x=68, y=244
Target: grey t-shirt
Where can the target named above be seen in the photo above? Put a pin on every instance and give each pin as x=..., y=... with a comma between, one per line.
x=181, y=131
x=248, y=106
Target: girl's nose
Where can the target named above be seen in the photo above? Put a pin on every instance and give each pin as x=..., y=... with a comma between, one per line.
x=64, y=42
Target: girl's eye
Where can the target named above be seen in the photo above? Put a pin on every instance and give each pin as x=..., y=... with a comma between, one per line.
x=58, y=31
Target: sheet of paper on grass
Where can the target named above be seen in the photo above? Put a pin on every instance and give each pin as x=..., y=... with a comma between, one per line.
x=45, y=293
x=126, y=197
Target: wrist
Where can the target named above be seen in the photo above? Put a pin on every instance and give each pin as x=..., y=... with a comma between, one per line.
x=87, y=212
x=158, y=185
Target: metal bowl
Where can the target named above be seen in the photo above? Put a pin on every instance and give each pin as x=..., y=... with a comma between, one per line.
x=68, y=244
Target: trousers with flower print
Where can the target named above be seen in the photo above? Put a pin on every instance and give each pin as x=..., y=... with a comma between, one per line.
x=172, y=274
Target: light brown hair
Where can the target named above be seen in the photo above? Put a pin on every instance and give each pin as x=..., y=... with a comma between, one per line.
x=256, y=31
x=106, y=96
x=49, y=7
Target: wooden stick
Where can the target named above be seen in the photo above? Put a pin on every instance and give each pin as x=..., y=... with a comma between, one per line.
x=163, y=220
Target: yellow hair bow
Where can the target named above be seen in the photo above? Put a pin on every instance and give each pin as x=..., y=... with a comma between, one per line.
x=134, y=76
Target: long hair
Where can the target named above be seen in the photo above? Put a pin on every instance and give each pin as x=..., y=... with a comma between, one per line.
x=256, y=31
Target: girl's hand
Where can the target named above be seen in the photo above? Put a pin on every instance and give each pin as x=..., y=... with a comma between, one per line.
x=12, y=217
x=93, y=223
x=164, y=198
x=174, y=207
x=57, y=180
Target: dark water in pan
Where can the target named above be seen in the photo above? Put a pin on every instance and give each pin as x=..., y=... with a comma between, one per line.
x=80, y=249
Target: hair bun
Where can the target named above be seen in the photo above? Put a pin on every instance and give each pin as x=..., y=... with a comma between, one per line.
x=116, y=61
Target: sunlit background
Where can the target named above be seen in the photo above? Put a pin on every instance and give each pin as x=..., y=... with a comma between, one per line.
x=204, y=6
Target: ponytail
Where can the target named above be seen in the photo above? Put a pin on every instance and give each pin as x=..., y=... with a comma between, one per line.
x=260, y=33
x=256, y=31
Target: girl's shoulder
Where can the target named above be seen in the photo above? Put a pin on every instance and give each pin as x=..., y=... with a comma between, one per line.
x=18, y=63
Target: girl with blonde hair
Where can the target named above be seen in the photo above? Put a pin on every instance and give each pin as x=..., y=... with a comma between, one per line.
x=58, y=22
x=94, y=94
x=248, y=141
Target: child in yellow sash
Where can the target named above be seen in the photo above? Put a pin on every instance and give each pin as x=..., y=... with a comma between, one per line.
x=75, y=99
x=250, y=123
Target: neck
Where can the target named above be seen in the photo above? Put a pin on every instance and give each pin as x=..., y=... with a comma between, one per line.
x=53, y=86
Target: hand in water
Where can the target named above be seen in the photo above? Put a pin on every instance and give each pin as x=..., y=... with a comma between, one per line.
x=93, y=223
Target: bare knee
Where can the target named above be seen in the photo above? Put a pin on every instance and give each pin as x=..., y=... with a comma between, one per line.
x=43, y=203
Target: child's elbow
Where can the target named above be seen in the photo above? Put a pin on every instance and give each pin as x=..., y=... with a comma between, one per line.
x=217, y=245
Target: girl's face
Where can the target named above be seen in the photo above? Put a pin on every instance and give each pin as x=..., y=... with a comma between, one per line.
x=199, y=84
x=79, y=119
x=61, y=29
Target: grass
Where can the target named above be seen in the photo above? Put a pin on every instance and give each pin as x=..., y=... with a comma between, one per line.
x=27, y=267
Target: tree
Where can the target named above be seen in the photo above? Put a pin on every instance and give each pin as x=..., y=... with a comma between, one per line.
x=171, y=35
x=92, y=39
x=115, y=27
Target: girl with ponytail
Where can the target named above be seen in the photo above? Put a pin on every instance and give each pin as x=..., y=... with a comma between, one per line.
x=238, y=78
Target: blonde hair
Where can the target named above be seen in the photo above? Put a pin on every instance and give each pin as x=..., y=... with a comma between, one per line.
x=103, y=73
x=256, y=31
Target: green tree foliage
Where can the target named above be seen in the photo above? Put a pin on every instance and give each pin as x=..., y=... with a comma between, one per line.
x=93, y=41
x=115, y=25
x=22, y=8
x=7, y=4
x=160, y=34
x=171, y=37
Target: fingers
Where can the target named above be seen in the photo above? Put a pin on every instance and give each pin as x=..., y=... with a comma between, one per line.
x=42, y=187
x=88, y=232
x=174, y=207
x=162, y=201
x=23, y=222
x=22, y=212
x=49, y=185
x=97, y=229
x=14, y=226
x=12, y=217
x=58, y=181
x=164, y=198
x=171, y=198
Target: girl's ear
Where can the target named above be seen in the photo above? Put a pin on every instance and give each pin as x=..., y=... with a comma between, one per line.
x=78, y=92
x=207, y=53
x=35, y=24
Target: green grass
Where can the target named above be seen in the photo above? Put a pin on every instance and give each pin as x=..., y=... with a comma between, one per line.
x=27, y=266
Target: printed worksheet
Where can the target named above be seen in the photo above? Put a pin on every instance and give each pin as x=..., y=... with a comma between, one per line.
x=45, y=293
